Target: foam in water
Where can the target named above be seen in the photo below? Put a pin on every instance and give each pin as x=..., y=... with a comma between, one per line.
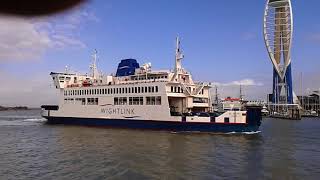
x=35, y=120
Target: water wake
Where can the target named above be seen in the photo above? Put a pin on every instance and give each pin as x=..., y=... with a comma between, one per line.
x=35, y=120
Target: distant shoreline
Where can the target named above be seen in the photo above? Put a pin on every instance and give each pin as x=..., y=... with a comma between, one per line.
x=16, y=108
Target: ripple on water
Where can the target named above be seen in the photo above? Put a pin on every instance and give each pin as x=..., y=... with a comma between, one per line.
x=38, y=151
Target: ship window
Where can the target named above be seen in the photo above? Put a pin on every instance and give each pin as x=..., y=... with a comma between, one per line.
x=120, y=101
x=202, y=92
x=157, y=89
x=178, y=89
x=117, y=91
x=149, y=88
x=129, y=90
x=158, y=100
x=145, y=89
x=175, y=89
x=142, y=89
x=108, y=91
x=151, y=100
x=95, y=91
x=126, y=89
x=83, y=101
x=136, y=100
x=171, y=88
x=139, y=89
x=61, y=78
x=226, y=120
x=135, y=89
x=152, y=88
x=115, y=101
x=89, y=102
x=141, y=100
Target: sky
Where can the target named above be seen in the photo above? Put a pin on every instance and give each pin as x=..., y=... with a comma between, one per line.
x=222, y=43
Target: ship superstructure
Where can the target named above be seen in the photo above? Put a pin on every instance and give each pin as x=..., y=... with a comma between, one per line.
x=140, y=97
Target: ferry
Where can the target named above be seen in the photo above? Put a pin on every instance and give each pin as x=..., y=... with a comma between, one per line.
x=139, y=97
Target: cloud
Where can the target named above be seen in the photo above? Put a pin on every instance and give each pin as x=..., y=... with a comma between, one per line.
x=28, y=39
x=244, y=82
x=249, y=36
x=20, y=40
x=315, y=37
x=32, y=92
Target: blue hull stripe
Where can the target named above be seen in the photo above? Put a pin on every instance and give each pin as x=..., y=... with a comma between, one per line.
x=155, y=125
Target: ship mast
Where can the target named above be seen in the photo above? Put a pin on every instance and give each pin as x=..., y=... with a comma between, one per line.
x=178, y=58
x=241, y=95
x=93, y=67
